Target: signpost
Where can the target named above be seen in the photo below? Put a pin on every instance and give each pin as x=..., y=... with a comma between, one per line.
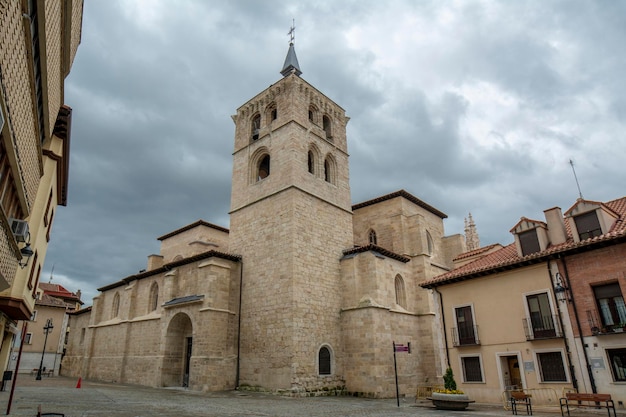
x=399, y=348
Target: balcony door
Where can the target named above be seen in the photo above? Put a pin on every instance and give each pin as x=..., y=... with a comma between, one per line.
x=541, y=319
x=465, y=323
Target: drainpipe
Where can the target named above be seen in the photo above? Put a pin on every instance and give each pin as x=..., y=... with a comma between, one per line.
x=567, y=348
x=582, y=340
x=237, y=375
x=443, y=321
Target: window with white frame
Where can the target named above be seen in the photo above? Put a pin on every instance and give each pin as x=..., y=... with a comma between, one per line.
x=28, y=338
x=541, y=323
x=466, y=332
x=610, y=303
x=472, y=369
x=551, y=366
x=617, y=360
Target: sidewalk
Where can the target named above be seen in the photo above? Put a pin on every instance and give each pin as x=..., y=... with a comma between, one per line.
x=94, y=399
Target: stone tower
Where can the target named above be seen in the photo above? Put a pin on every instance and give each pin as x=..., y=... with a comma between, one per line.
x=290, y=219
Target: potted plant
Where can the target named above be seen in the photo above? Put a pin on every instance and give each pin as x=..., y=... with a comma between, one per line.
x=450, y=398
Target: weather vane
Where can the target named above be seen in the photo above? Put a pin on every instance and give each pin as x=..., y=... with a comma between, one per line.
x=292, y=31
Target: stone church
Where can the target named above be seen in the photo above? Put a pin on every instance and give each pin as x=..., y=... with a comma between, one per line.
x=304, y=294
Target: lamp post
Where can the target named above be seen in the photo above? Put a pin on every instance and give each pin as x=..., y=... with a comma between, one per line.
x=46, y=329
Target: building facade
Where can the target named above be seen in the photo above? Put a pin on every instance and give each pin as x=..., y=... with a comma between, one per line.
x=43, y=347
x=38, y=42
x=304, y=294
x=544, y=314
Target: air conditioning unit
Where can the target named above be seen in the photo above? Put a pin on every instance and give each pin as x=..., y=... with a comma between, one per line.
x=19, y=229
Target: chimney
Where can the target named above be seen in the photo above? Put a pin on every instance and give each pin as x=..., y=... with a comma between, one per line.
x=556, y=225
x=154, y=262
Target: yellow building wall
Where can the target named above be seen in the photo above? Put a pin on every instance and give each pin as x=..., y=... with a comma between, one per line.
x=499, y=306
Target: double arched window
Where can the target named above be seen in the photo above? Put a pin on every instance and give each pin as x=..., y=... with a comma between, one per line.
x=372, y=237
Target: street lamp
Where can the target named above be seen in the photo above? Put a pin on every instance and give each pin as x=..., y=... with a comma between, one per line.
x=560, y=288
x=46, y=329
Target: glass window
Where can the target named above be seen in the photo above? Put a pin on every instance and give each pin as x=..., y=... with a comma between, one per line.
x=471, y=369
x=551, y=367
x=610, y=304
x=587, y=225
x=372, y=237
x=465, y=333
x=617, y=359
x=324, y=361
x=529, y=242
x=541, y=320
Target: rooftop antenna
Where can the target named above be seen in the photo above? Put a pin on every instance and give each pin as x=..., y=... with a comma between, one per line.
x=292, y=32
x=576, y=178
x=51, y=272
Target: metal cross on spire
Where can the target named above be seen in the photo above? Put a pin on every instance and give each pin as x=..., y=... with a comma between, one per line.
x=292, y=31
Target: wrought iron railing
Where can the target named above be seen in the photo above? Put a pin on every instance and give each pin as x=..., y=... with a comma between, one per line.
x=465, y=336
x=599, y=328
x=542, y=327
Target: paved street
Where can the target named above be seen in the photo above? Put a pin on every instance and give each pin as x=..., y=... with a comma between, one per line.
x=60, y=395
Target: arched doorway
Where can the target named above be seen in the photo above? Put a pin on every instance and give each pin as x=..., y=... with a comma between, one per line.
x=177, y=355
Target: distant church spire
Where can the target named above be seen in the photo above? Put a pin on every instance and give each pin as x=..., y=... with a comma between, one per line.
x=471, y=236
x=291, y=61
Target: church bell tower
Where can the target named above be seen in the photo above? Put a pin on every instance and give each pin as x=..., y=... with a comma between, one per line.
x=290, y=220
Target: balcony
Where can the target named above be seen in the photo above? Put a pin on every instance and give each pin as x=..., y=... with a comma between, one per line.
x=465, y=336
x=542, y=327
x=598, y=328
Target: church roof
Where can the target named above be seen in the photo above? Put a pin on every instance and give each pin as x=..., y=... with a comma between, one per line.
x=191, y=226
x=169, y=266
x=291, y=62
x=400, y=193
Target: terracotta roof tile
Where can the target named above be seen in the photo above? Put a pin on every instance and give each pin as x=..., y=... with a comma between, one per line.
x=508, y=258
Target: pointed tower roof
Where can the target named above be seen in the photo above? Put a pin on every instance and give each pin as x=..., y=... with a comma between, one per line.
x=291, y=62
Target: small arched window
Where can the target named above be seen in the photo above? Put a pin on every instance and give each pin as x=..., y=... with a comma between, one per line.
x=329, y=169
x=400, y=293
x=429, y=242
x=115, y=308
x=324, y=361
x=272, y=113
x=312, y=114
x=264, y=168
x=311, y=162
x=327, y=127
x=153, y=301
x=256, y=126
x=372, y=238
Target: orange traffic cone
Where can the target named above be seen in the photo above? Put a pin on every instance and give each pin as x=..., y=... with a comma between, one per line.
x=80, y=380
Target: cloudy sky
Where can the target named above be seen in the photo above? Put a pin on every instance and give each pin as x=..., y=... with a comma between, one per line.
x=471, y=106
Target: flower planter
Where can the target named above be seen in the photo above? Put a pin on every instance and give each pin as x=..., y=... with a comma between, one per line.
x=450, y=401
